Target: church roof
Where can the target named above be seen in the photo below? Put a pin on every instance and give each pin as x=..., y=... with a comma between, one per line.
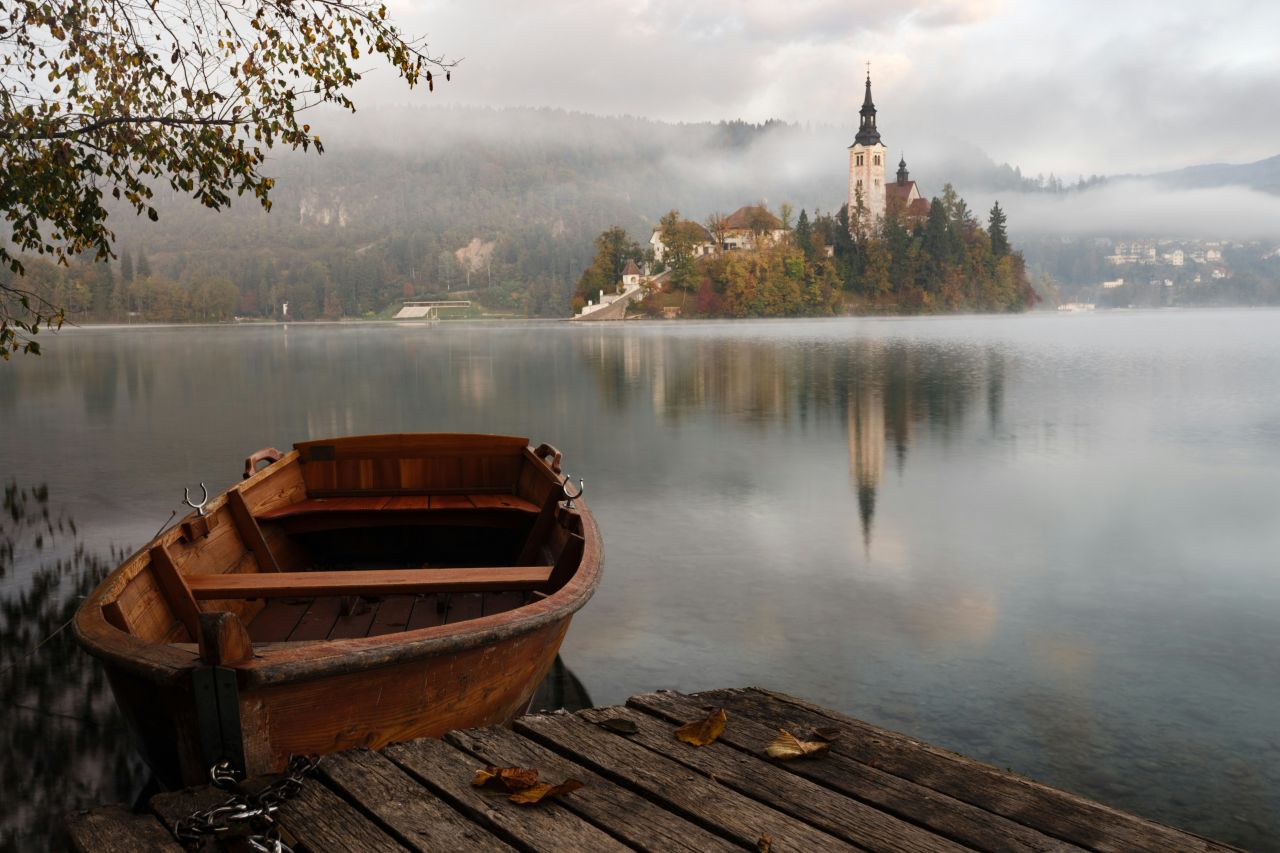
x=901, y=192
x=740, y=219
x=867, y=133
x=631, y=268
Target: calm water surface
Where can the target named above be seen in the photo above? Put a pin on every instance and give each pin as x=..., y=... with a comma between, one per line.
x=1049, y=542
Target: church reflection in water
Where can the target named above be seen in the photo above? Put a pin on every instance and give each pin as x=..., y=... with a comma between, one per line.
x=883, y=394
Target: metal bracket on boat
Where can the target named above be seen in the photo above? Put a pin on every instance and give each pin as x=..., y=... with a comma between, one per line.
x=217, y=699
x=582, y=487
x=186, y=499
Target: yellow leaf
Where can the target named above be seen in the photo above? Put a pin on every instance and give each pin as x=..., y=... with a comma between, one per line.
x=764, y=844
x=787, y=746
x=705, y=731
x=543, y=790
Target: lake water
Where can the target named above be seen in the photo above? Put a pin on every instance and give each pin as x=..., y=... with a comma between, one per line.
x=1050, y=542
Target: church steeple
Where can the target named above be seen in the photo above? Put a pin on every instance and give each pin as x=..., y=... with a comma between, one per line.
x=867, y=133
x=903, y=177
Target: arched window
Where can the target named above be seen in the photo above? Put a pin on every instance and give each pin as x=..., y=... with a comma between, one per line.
x=859, y=159
x=859, y=183
x=877, y=160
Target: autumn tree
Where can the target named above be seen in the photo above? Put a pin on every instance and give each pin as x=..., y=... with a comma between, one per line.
x=680, y=240
x=114, y=98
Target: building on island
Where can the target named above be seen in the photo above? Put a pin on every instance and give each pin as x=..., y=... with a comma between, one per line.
x=739, y=230
x=867, y=185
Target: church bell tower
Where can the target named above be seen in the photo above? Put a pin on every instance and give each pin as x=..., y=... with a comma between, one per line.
x=866, y=164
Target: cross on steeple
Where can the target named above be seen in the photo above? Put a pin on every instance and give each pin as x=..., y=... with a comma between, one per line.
x=867, y=133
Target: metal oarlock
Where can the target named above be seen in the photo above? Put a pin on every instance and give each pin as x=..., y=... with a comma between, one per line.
x=582, y=487
x=198, y=507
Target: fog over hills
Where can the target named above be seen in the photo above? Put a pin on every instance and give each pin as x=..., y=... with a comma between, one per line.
x=400, y=189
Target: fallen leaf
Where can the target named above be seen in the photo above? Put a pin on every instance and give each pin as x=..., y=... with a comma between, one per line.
x=787, y=746
x=764, y=844
x=705, y=731
x=829, y=733
x=542, y=790
x=511, y=778
x=621, y=725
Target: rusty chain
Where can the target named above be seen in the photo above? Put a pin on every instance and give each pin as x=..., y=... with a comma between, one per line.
x=241, y=811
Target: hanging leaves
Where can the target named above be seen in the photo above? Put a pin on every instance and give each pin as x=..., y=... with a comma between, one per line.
x=104, y=97
x=704, y=731
x=787, y=746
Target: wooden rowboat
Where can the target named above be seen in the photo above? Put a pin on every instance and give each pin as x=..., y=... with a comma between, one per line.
x=354, y=592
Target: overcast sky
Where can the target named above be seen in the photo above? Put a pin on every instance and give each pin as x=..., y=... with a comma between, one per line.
x=1080, y=87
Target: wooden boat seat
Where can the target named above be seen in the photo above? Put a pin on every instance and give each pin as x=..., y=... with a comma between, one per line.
x=367, y=582
x=400, y=504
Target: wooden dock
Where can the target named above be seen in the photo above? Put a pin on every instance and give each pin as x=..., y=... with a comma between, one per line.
x=872, y=790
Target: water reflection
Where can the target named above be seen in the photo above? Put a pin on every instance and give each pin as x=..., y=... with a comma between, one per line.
x=64, y=743
x=880, y=392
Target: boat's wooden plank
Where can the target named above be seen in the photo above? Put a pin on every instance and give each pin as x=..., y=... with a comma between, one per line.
x=117, y=828
x=114, y=614
x=464, y=606
x=451, y=502
x=319, y=619
x=501, y=602
x=368, y=582
x=411, y=812
x=172, y=806
x=429, y=611
x=318, y=819
x=250, y=533
x=540, y=533
x=947, y=816
x=146, y=610
x=277, y=620
x=567, y=561
x=175, y=590
x=1053, y=812
x=448, y=772
x=393, y=615
x=419, y=503
x=356, y=622
x=500, y=503
x=813, y=805
x=697, y=798
x=616, y=809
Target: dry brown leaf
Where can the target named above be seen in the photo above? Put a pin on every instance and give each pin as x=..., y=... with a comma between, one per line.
x=787, y=746
x=764, y=844
x=621, y=725
x=511, y=778
x=543, y=790
x=705, y=731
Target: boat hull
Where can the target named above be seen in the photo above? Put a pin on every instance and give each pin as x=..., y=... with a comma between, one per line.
x=177, y=629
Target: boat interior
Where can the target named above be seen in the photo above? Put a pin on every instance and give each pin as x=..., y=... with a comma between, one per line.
x=360, y=537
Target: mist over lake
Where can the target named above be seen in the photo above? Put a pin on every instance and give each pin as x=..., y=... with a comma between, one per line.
x=1045, y=541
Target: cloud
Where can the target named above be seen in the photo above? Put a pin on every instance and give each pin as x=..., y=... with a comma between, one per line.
x=1142, y=208
x=1080, y=88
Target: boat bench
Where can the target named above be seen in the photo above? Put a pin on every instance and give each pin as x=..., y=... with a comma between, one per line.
x=483, y=510
x=368, y=582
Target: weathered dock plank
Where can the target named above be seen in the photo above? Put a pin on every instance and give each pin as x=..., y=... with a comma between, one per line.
x=117, y=828
x=700, y=799
x=872, y=790
x=615, y=809
x=448, y=771
x=1058, y=813
x=418, y=818
x=943, y=815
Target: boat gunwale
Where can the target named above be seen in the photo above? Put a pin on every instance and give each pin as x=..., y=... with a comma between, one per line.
x=284, y=662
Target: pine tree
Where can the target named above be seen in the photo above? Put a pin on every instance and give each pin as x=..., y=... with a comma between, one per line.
x=804, y=235
x=144, y=268
x=126, y=266
x=996, y=229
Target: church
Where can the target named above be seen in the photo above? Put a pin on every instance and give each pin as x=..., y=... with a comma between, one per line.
x=867, y=185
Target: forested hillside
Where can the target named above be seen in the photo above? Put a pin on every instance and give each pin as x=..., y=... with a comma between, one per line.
x=500, y=205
